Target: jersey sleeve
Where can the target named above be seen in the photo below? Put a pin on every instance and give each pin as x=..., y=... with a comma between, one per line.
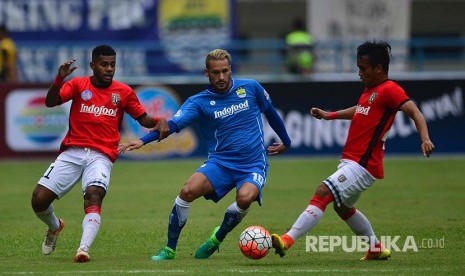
x=67, y=90
x=396, y=96
x=133, y=107
x=263, y=98
x=187, y=113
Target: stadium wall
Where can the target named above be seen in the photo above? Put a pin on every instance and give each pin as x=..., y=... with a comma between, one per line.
x=28, y=129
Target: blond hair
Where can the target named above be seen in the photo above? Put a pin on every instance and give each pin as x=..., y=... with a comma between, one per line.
x=217, y=54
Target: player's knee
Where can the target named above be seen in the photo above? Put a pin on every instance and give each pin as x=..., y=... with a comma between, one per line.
x=344, y=212
x=41, y=199
x=244, y=200
x=195, y=187
x=322, y=190
x=94, y=196
x=187, y=194
x=37, y=204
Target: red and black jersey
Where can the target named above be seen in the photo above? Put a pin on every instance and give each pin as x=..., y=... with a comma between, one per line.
x=374, y=115
x=96, y=114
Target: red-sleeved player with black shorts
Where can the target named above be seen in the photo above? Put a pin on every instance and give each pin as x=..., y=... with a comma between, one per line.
x=362, y=156
x=90, y=147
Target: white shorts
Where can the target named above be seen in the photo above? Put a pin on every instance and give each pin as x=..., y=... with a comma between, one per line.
x=73, y=164
x=348, y=182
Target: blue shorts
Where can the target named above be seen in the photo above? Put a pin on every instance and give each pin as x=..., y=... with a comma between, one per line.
x=225, y=179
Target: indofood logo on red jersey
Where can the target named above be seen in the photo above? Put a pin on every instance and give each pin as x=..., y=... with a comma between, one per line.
x=98, y=110
x=362, y=110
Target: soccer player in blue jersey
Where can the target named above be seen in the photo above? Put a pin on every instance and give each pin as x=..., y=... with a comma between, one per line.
x=229, y=115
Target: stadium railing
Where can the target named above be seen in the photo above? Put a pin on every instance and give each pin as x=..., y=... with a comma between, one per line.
x=144, y=60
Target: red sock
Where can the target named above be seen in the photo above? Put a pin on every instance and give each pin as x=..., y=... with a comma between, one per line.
x=321, y=202
x=92, y=209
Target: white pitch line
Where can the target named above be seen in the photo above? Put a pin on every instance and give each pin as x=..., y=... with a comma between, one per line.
x=222, y=270
x=101, y=271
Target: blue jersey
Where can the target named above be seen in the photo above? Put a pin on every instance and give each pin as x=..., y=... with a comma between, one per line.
x=231, y=123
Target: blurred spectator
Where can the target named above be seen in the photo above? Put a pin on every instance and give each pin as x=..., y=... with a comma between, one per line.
x=299, y=57
x=7, y=56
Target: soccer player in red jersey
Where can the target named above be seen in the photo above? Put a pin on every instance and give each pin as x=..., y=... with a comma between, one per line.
x=362, y=156
x=90, y=147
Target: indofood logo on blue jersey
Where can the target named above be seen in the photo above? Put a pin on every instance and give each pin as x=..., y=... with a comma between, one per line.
x=158, y=101
x=231, y=110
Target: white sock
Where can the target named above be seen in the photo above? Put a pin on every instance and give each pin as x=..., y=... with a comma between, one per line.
x=90, y=227
x=182, y=208
x=233, y=208
x=48, y=217
x=361, y=226
x=306, y=221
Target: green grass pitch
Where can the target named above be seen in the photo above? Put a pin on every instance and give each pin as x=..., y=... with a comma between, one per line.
x=422, y=198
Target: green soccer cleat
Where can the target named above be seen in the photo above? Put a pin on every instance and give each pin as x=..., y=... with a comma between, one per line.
x=278, y=245
x=208, y=247
x=165, y=253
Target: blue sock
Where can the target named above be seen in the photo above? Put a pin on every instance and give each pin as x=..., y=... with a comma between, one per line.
x=232, y=218
x=178, y=219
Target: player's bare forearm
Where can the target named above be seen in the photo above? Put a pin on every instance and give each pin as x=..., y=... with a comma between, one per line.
x=412, y=111
x=427, y=146
x=346, y=114
x=161, y=125
x=147, y=121
x=53, y=96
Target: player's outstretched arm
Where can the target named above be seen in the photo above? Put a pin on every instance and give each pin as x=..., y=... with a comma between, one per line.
x=345, y=114
x=149, y=137
x=277, y=125
x=156, y=124
x=412, y=111
x=129, y=146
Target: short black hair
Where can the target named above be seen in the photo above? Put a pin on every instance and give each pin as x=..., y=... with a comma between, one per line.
x=377, y=51
x=103, y=50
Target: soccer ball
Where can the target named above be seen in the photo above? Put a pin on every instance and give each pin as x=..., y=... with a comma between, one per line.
x=255, y=242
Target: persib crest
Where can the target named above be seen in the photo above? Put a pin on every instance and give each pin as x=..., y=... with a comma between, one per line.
x=241, y=92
